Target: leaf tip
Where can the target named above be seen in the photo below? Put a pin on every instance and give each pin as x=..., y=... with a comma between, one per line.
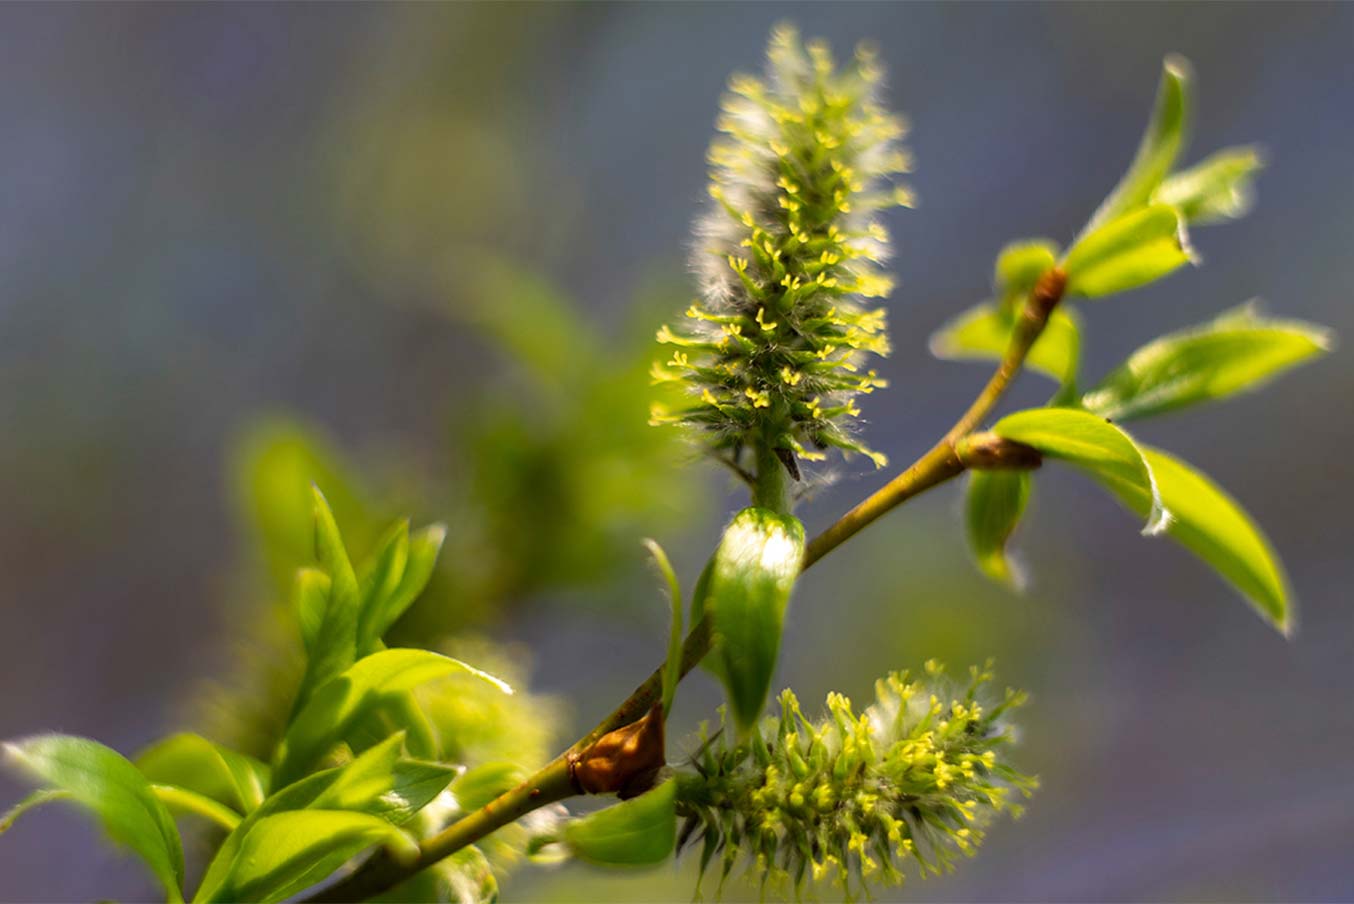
x=1159, y=521
x=1177, y=67
x=437, y=533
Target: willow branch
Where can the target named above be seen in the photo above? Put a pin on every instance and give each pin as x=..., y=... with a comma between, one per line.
x=958, y=450
x=943, y=460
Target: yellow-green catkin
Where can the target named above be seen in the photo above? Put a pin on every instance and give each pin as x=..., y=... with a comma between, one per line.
x=851, y=798
x=789, y=256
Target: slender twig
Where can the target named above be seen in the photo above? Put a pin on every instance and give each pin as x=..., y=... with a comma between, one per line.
x=942, y=461
x=946, y=459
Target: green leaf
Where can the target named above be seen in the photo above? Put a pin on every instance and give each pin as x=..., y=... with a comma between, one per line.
x=364, y=686
x=289, y=852
x=1217, y=189
x=1210, y=524
x=378, y=580
x=398, y=712
x=466, y=877
x=191, y=761
x=274, y=467
x=32, y=801
x=310, y=599
x=983, y=332
x=1136, y=249
x=714, y=665
x=672, y=666
x=102, y=781
x=296, y=796
x=185, y=801
x=996, y=501
x=382, y=783
x=1239, y=351
x=481, y=784
x=1020, y=264
x=754, y=571
x=424, y=546
x=1093, y=444
x=1161, y=144
x=638, y=832
x=335, y=644
x=360, y=791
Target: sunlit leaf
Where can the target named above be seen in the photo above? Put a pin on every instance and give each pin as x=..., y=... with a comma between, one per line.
x=995, y=502
x=637, y=832
x=310, y=599
x=334, y=707
x=296, y=796
x=395, y=712
x=193, y=762
x=421, y=559
x=1216, y=189
x=275, y=465
x=102, y=781
x=466, y=877
x=1093, y=444
x=378, y=579
x=1210, y=524
x=673, y=663
x=1161, y=145
x=32, y=801
x=288, y=852
x=1138, y=248
x=361, y=789
x=749, y=588
x=983, y=332
x=1020, y=264
x=383, y=783
x=481, y=784
x=1239, y=351
x=182, y=800
x=335, y=645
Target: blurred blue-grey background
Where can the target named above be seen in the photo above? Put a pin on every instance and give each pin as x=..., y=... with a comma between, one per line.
x=219, y=217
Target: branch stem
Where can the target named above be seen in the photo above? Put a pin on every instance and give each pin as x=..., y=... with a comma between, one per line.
x=946, y=459
x=943, y=461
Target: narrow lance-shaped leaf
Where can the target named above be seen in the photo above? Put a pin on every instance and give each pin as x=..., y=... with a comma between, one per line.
x=1216, y=189
x=480, y=784
x=466, y=877
x=1093, y=444
x=104, y=782
x=383, y=783
x=672, y=666
x=1138, y=248
x=357, y=787
x=995, y=503
x=392, y=713
x=182, y=800
x=289, y=852
x=378, y=579
x=983, y=332
x=749, y=588
x=637, y=832
x=32, y=801
x=296, y=796
x=1210, y=524
x=1239, y=351
x=1162, y=143
x=335, y=644
x=327, y=716
x=310, y=600
x=191, y=761
x=424, y=546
